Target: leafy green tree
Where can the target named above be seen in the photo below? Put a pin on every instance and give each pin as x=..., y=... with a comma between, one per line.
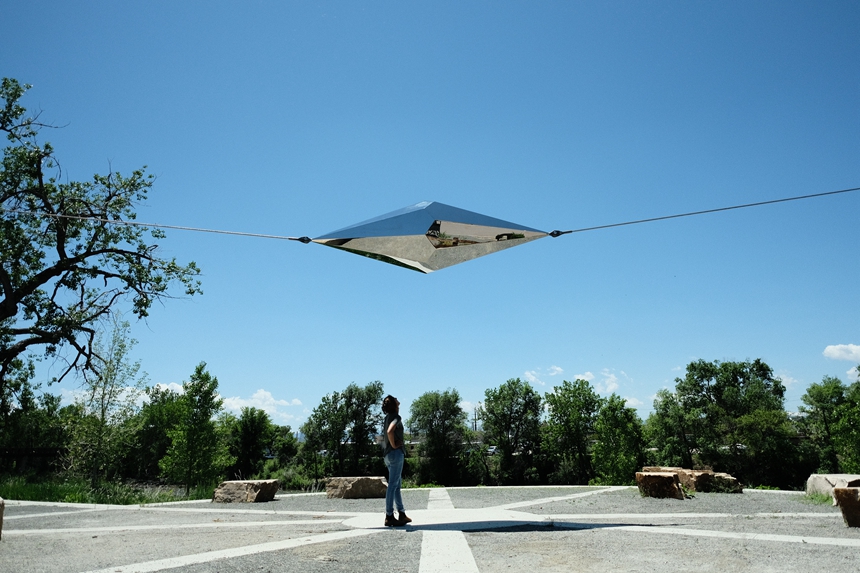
x=101, y=438
x=668, y=430
x=341, y=429
x=253, y=437
x=821, y=402
x=619, y=448
x=285, y=445
x=68, y=260
x=196, y=455
x=511, y=417
x=439, y=420
x=161, y=412
x=571, y=413
x=847, y=429
x=734, y=413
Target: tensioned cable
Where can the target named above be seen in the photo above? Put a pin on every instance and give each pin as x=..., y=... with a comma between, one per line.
x=157, y=226
x=308, y=240
x=772, y=201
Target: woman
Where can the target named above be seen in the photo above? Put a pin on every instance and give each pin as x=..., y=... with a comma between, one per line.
x=392, y=431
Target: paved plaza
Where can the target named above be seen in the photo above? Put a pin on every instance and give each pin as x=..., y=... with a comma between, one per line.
x=484, y=529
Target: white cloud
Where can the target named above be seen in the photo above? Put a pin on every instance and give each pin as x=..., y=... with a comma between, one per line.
x=677, y=368
x=467, y=406
x=788, y=381
x=173, y=387
x=843, y=352
x=854, y=373
x=608, y=384
x=531, y=376
x=263, y=400
x=633, y=402
x=587, y=376
x=555, y=370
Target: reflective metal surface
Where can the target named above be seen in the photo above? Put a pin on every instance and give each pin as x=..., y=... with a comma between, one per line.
x=429, y=236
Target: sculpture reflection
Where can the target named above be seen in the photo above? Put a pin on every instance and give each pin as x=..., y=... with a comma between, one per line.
x=429, y=236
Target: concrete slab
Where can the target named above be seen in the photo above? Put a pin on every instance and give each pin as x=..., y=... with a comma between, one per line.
x=477, y=529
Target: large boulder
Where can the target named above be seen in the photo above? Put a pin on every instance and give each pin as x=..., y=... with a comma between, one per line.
x=848, y=499
x=246, y=491
x=724, y=483
x=355, y=487
x=701, y=480
x=659, y=484
x=825, y=483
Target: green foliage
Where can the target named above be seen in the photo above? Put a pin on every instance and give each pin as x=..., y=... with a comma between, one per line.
x=732, y=414
x=511, y=420
x=440, y=423
x=66, y=263
x=343, y=427
x=821, y=402
x=196, y=456
x=571, y=414
x=818, y=498
x=619, y=449
x=75, y=490
x=847, y=429
x=252, y=436
x=159, y=416
x=103, y=433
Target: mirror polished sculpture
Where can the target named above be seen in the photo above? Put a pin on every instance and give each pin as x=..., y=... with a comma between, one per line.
x=429, y=236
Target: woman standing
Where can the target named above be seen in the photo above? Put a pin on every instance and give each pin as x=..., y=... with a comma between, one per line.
x=394, y=455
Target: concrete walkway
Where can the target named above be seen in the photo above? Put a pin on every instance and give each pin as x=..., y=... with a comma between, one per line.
x=454, y=530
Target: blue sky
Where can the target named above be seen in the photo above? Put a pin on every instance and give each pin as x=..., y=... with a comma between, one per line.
x=299, y=118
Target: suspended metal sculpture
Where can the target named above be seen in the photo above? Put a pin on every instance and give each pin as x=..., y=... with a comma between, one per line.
x=429, y=236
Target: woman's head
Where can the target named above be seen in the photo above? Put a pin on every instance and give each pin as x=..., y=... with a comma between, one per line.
x=390, y=405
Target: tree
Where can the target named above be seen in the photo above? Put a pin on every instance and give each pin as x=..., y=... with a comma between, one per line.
x=847, y=429
x=196, y=456
x=511, y=418
x=253, y=437
x=71, y=251
x=440, y=421
x=161, y=412
x=821, y=404
x=571, y=411
x=668, y=431
x=108, y=401
x=618, y=450
x=734, y=417
x=344, y=423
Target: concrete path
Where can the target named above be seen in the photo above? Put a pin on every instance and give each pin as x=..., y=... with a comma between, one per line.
x=454, y=530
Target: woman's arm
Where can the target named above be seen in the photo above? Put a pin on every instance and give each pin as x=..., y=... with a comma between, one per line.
x=391, y=427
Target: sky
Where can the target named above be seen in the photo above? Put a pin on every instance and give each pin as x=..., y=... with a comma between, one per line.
x=299, y=118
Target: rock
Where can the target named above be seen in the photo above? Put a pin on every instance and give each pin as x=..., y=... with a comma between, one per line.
x=848, y=499
x=355, y=487
x=824, y=483
x=701, y=480
x=2, y=507
x=725, y=483
x=659, y=484
x=246, y=491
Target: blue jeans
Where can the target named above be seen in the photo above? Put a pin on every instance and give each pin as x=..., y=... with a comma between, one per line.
x=394, y=463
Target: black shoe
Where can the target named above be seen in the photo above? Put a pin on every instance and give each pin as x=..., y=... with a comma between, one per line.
x=402, y=518
x=390, y=521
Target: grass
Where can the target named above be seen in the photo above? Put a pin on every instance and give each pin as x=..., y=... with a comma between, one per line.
x=818, y=498
x=79, y=491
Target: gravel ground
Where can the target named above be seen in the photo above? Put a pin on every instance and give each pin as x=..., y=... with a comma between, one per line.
x=412, y=499
x=391, y=551
x=473, y=497
x=629, y=501
x=582, y=543
x=601, y=550
x=66, y=552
